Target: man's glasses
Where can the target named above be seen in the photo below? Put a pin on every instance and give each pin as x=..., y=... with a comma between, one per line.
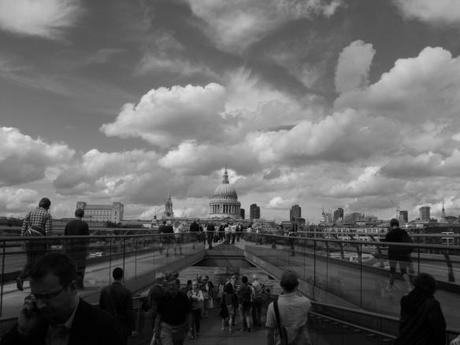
x=48, y=296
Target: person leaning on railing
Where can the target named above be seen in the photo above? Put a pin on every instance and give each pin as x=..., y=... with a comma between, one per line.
x=37, y=223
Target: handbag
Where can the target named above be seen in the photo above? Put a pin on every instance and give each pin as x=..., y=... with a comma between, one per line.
x=281, y=330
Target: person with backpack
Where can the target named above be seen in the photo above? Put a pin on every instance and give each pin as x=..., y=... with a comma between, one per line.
x=245, y=299
x=287, y=315
x=228, y=306
x=37, y=223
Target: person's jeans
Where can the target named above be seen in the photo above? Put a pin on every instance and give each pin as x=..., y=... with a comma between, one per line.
x=173, y=334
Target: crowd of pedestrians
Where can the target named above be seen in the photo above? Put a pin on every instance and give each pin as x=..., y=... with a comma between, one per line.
x=53, y=312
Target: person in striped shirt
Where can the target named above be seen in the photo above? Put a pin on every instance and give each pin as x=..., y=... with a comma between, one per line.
x=37, y=223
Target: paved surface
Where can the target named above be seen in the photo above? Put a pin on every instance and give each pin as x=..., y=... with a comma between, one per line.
x=211, y=334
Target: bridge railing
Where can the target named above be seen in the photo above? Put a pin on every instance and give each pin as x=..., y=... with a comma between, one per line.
x=355, y=273
x=136, y=254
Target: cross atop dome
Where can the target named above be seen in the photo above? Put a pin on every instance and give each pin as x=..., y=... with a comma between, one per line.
x=225, y=179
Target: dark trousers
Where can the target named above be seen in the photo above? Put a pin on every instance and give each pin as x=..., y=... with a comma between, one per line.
x=35, y=249
x=196, y=318
x=210, y=236
x=257, y=312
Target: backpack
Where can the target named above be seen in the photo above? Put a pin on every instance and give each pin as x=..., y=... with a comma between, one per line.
x=258, y=292
x=245, y=295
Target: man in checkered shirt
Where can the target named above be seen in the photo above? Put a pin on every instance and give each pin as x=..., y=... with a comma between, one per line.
x=37, y=223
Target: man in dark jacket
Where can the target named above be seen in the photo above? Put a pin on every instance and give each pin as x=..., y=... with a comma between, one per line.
x=174, y=311
x=77, y=249
x=422, y=321
x=210, y=231
x=167, y=235
x=117, y=300
x=399, y=254
x=54, y=314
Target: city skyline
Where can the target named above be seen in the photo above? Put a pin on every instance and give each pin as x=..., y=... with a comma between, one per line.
x=320, y=103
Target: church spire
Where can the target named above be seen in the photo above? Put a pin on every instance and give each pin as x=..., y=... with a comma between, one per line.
x=225, y=179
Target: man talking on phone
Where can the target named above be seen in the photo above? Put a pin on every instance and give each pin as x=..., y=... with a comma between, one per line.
x=53, y=314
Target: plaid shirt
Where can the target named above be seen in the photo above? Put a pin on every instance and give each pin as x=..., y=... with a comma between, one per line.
x=38, y=217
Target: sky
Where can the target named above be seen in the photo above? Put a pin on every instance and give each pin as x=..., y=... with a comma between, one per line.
x=321, y=103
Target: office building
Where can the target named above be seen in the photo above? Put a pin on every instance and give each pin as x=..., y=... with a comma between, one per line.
x=425, y=213
x=338, y=216
x=403, y=217
x=254, y=212
x=295, y=212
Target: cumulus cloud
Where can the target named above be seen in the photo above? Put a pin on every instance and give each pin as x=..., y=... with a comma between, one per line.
x=192, y=158
x=279, y=202
x=17, y=200
x=133, y=176
x=45, y=18
x=342, y=136
x=427, y=164
x=369, y=183
x=167, y=116
x=353, y=66
x=413, y=90
x=24, y=159
x=234, y=25
x=439, y=12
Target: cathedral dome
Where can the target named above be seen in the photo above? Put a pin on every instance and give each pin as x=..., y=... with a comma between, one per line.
x=224, y=202
x=225, y=191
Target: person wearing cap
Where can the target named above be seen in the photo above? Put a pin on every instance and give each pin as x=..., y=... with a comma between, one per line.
x=37, y=223
x=398, y=253
x=293, y=313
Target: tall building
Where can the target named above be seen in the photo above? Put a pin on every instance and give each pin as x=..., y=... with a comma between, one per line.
x=242, y=213
x=168, y=213
x=224, y=202
x=254, y=212
x=403, y=217
x=295, y=212
x=338, y=215
x=425, y=213
x=102, y=213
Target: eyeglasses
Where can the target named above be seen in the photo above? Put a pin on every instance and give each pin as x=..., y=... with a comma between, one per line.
x=48, y=296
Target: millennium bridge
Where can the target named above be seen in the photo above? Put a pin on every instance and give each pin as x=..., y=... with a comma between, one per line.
x=345, y=280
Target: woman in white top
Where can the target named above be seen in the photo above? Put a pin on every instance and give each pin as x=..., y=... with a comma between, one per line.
x=197, y=298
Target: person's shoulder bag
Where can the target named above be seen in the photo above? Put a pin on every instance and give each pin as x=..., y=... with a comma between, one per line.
x=281, y=330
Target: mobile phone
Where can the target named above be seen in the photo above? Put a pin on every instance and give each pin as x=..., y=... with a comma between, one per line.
x=30, y=305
